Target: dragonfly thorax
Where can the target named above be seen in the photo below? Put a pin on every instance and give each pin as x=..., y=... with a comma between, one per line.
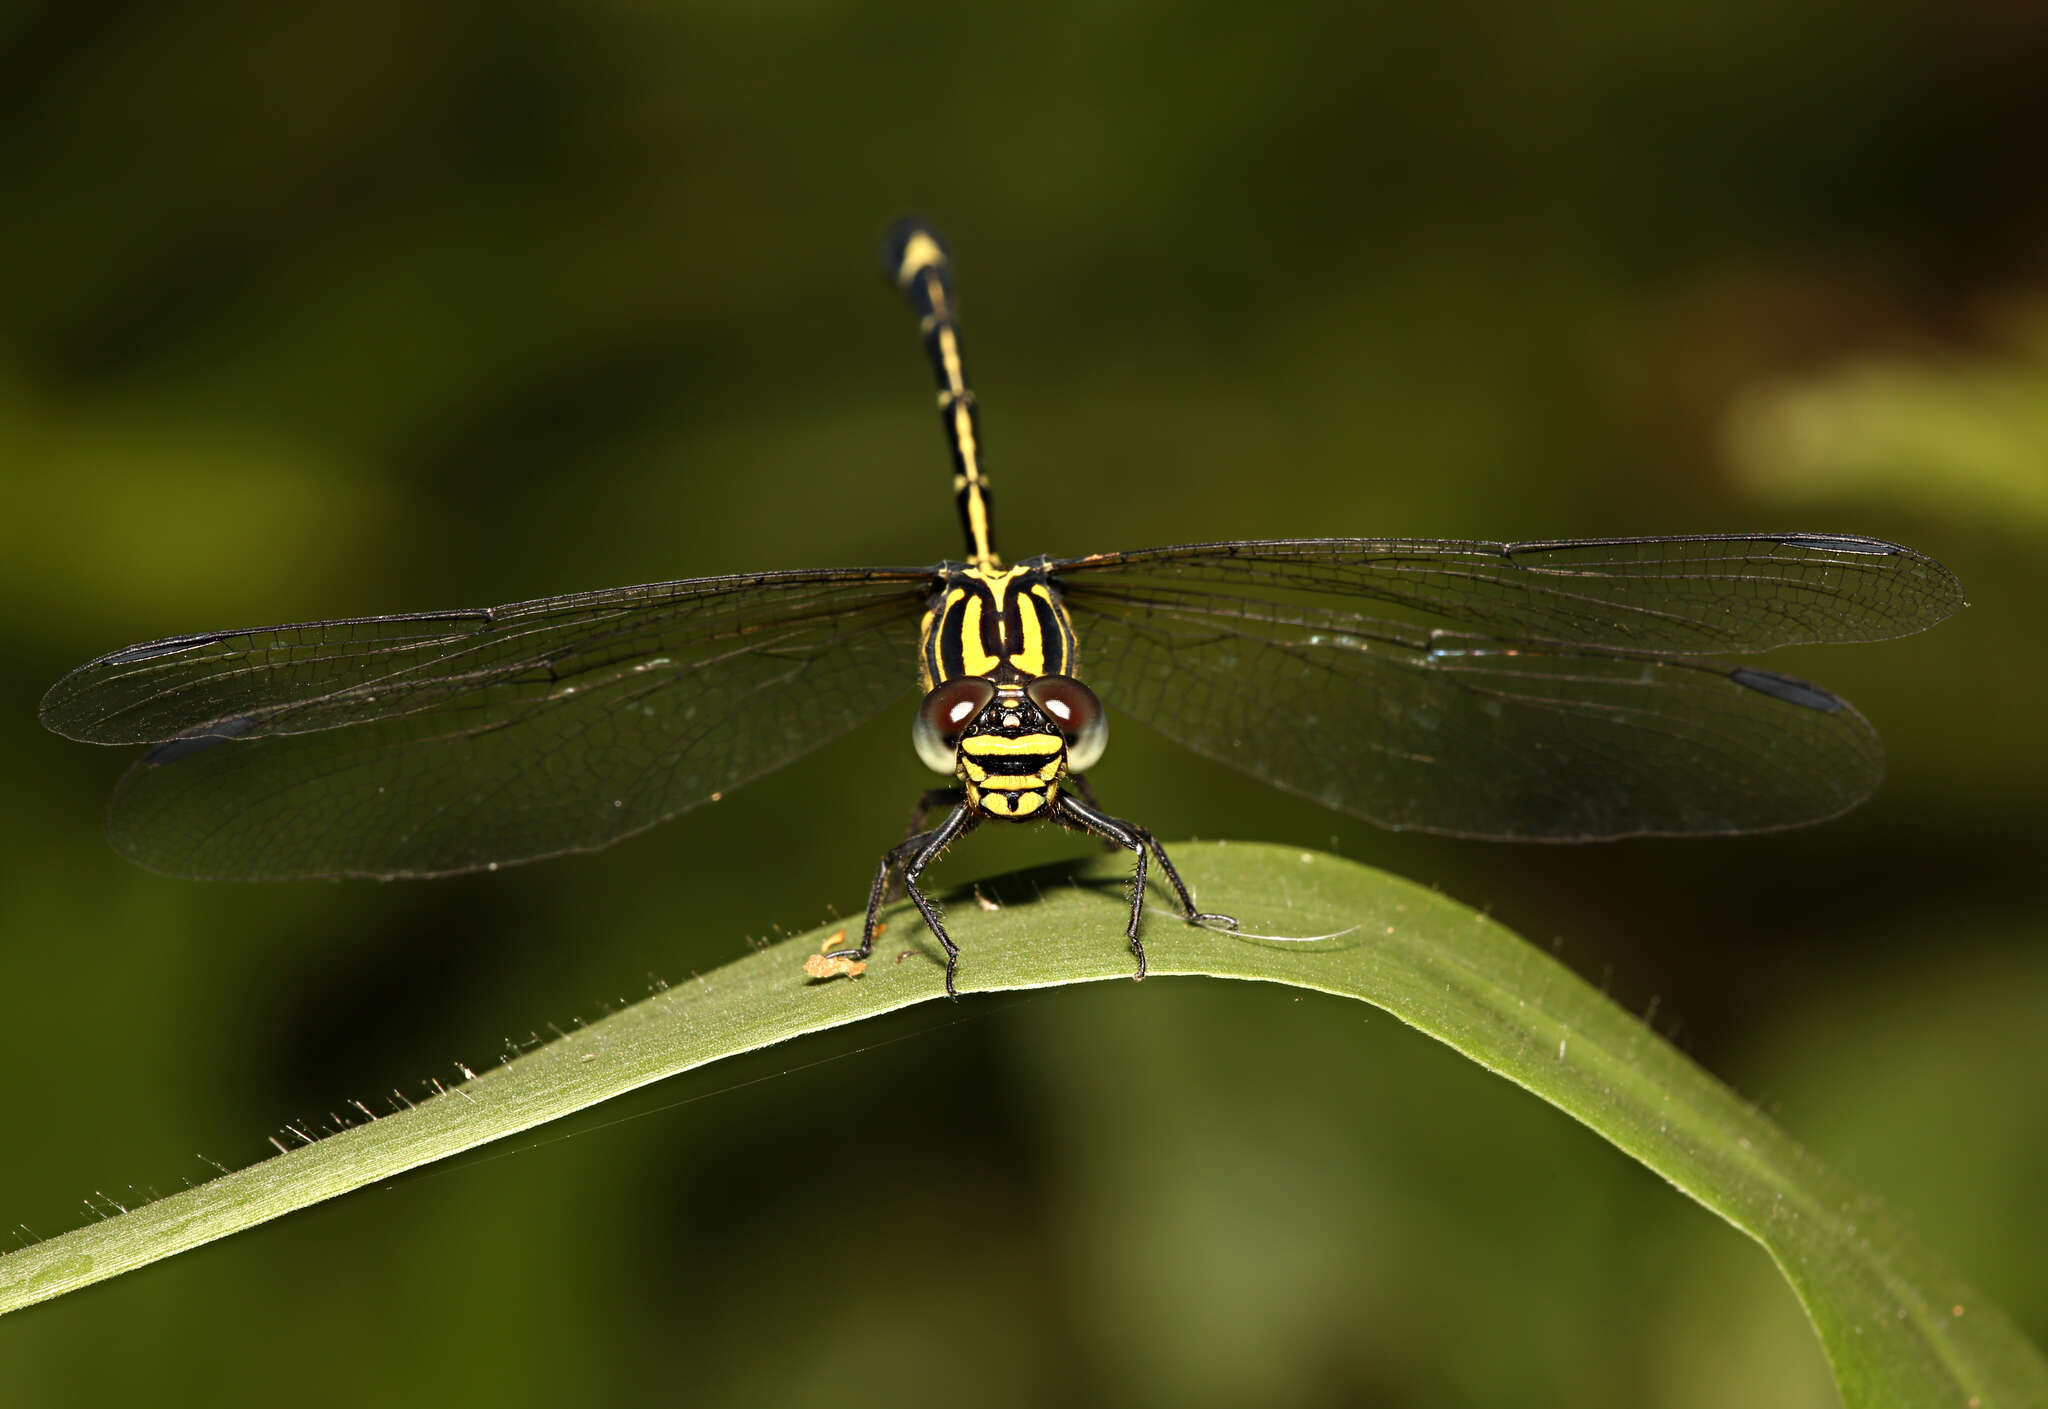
x=1005, y=623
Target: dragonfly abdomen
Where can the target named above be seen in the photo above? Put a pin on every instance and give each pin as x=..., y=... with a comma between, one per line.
x=917, y=261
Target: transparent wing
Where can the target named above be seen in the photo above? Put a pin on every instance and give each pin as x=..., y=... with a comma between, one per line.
x=1702, y=595
x=1581, y=710
x=454, y=741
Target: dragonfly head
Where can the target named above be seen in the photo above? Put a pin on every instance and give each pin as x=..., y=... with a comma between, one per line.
x=1010, y=744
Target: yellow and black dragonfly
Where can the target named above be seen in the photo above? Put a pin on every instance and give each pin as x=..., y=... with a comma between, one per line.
x=1554, y=691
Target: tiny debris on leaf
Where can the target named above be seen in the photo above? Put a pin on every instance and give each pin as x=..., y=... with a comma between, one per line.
x=834, y=940
x=820, y=966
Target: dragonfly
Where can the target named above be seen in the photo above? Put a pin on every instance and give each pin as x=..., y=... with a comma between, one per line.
x=1562, y=691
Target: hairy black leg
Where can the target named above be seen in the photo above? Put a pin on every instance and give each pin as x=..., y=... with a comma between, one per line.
x=932, y=797
x=1073, y=812
x=1079, y=784
x=913, y=856
x=961, y=819
x=1076, y=813
x=1187, y=899
x=877, y=893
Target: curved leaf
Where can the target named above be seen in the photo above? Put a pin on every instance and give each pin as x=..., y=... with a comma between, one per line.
x=1899, y=1328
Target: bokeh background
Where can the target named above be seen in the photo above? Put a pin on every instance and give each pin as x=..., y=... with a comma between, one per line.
x=325, y=309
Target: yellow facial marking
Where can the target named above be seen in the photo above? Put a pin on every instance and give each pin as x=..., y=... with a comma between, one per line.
x=994, y=745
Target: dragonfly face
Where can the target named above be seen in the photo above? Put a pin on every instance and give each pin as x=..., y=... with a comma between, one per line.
x=1558, y=691
x=1010, y=759
x=1011, y=745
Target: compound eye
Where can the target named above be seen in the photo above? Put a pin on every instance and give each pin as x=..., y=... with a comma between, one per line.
x=944, y=717
x=1076, y=713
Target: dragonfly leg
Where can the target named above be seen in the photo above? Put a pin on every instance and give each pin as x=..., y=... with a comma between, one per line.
x=912, y=856
x=920, y=814
x=1187, y=899
x=1085, y=817
x=1080, y=785
x=932, y=798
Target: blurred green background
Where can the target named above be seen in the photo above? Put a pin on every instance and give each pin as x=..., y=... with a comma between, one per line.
x=327, y=309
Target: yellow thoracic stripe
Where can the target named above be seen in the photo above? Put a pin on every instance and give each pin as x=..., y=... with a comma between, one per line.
x=978, y=661
x=1029, y=653
x=1000, y=587
x=1019, y=611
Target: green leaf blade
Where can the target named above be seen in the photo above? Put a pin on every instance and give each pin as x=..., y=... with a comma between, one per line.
x=1887, y=1312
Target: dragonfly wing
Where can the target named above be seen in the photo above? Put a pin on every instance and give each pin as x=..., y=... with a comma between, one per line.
x=445, y=742
x=1704, y=595
x=1473, y=735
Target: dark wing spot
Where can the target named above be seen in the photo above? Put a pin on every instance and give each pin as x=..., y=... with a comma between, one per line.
x=199, y=740
x=1841, y=543
x=150, y=650
x=1784, y=687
